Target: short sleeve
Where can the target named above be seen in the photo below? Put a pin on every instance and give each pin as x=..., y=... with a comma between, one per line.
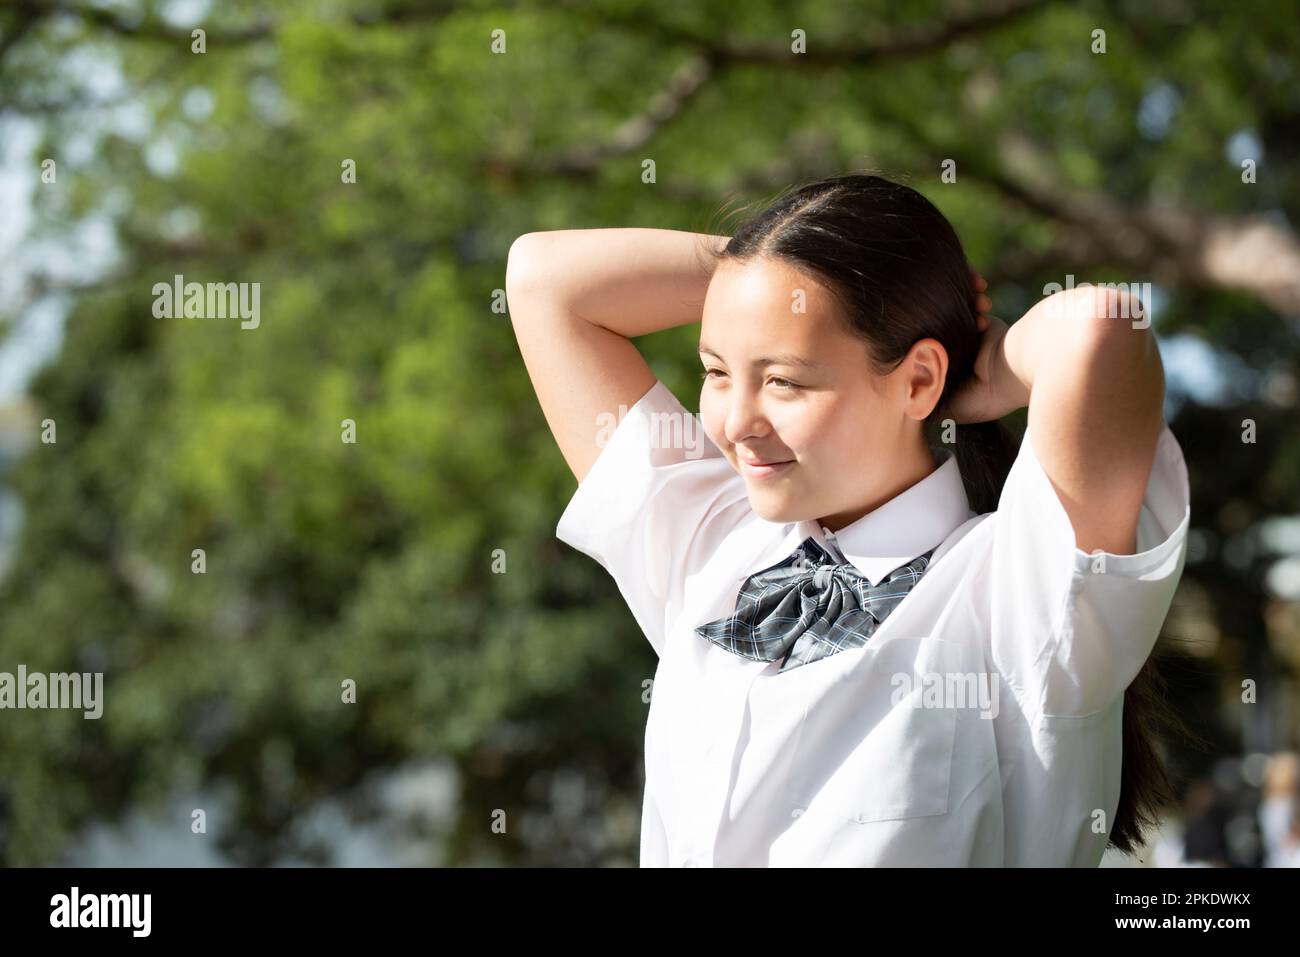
x=655, y=505
x=1071, y=629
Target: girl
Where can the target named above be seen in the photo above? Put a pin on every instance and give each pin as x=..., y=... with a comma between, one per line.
x=885, y=635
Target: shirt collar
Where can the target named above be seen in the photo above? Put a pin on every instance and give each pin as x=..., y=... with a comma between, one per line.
x=911, y=523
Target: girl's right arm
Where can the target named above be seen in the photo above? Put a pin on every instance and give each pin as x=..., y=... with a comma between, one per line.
x=577, y=297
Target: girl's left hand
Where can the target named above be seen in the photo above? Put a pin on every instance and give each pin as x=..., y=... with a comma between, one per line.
x=992, y=391
x=983, y=303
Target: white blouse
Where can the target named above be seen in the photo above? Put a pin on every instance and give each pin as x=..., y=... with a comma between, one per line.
x=979, y=726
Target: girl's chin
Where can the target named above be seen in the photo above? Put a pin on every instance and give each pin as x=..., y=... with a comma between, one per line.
x=779, y=509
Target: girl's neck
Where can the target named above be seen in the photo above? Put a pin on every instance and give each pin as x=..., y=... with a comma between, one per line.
x=918, y=466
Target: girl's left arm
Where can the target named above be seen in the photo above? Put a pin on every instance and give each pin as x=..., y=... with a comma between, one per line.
x=1095, y=387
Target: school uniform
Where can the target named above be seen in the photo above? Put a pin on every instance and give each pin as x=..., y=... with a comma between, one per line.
x=979, y=725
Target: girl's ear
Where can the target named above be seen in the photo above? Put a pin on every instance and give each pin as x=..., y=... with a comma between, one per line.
x=924, y=371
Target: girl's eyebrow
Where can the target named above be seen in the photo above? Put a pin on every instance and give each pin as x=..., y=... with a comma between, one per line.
x=780, y=360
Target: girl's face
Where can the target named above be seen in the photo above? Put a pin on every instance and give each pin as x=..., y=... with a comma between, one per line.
x=786, y=386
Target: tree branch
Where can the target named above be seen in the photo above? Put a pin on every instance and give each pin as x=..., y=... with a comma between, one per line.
x=1174, y=244
x=715, y=54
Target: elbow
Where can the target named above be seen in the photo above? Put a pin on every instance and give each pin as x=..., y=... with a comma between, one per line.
x=1099, y=309
x=1119, y=349
x=1118, y=305
x=1105, y=325
x=518, y=259
x=521, y=272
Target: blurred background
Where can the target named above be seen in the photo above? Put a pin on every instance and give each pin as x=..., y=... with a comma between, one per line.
x=368, y=163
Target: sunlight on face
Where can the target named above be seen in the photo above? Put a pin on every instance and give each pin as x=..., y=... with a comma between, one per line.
x=794, y=387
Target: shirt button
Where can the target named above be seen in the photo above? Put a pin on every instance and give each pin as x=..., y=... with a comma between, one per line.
x=797, y=812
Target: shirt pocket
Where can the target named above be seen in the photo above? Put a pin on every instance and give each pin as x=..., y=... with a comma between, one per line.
x=874, y=744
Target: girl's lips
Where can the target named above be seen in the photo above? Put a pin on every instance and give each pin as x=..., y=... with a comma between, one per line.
x=762, y=471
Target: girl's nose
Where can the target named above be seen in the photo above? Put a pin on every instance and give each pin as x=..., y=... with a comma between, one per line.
x=744, y=418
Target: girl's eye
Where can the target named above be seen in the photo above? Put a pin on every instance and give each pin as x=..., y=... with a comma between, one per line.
x=784, y=384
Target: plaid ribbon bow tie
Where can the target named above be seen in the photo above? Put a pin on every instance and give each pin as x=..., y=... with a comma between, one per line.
x=810, y=606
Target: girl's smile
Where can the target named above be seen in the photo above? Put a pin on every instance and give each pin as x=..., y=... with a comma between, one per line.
x=763, y=471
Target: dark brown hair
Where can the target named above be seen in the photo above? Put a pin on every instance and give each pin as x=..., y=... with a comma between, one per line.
x=897, y=268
